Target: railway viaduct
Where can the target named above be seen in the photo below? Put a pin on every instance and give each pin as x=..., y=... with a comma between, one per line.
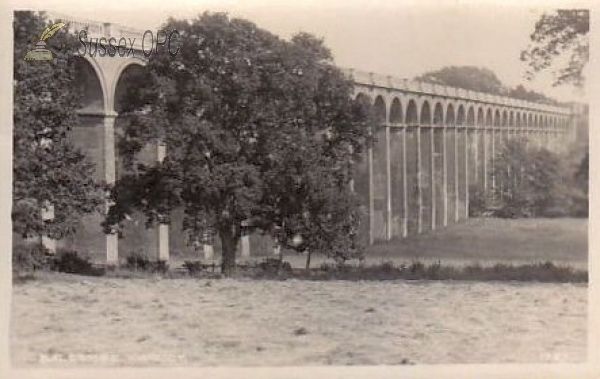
x=436, y=145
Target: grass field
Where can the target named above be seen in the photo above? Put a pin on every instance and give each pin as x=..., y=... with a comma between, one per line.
x=483, y=239
x=69, y=320
x=486, y=241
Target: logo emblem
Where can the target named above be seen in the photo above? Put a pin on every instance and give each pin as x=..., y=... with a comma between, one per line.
x=40, y=53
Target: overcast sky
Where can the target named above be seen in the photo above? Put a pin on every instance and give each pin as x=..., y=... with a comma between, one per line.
x=400, y=38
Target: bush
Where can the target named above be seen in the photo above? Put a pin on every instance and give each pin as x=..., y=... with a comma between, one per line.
x=69, y=261
x=513, y=206
x=192, y=267
x=275, y=265
x=196, y=267
x=580, y=205
x=387, y=266
x=416, y=267
x=160, y=266
x=479, y=202
x=137, y=261
x=29, y=257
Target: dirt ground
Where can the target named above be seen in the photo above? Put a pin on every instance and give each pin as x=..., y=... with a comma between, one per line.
x=65, y=320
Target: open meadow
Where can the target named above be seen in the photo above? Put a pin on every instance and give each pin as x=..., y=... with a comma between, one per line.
x=66, y=320
x=485, y=241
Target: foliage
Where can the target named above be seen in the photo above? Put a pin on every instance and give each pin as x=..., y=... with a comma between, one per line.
x=69, y=261
x=29, y=257
x=582, y=175
x=195, y=267
x=479, y=202
x=533, y=182
x=49, y=174
x=137, y=261
x=565, y=32
x=34, y=256
x=275, y=265
x=526, y=179
x=546, y=272
x=468, y=77
x=578, y=174
x=259, y=131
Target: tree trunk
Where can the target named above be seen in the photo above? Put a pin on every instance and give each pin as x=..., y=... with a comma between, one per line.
x=228, y=248
x=308, y=254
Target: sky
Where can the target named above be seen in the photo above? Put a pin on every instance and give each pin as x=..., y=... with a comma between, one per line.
x=398, y=38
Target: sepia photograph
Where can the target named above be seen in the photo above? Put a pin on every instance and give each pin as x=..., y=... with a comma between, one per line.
x=224, y=184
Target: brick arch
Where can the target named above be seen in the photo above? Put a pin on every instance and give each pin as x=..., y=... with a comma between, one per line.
x=90, y=78
x=361, y=96
x=480, y=116
x=396, y=116
x=425, y=117
x=489, y=117
x=470, y=116
x=127, y=83
x=379, y=107
x=438, y=114
x=461, y=115
x=450, y=118
x=116, y=74
x=412, y=112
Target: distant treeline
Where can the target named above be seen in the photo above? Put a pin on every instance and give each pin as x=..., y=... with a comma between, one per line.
x=483, y=80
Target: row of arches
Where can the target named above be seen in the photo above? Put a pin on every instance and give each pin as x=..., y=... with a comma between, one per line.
x=419, y=112
x=107, y=87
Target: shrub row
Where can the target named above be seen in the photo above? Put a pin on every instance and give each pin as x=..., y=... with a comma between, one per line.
x=27, y=259
x=416, y=270
x=33, y=257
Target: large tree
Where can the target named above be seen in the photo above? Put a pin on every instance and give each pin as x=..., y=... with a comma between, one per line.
x=48, y=172
x=260, y=131
x=565, y=33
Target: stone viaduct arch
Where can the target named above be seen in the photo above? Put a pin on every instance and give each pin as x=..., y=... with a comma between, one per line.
x=443, y=143
x=435, y=144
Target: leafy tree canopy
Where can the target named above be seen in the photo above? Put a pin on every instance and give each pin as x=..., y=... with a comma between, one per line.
x=259, y=131
x=564, y=32
x=47, y=170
